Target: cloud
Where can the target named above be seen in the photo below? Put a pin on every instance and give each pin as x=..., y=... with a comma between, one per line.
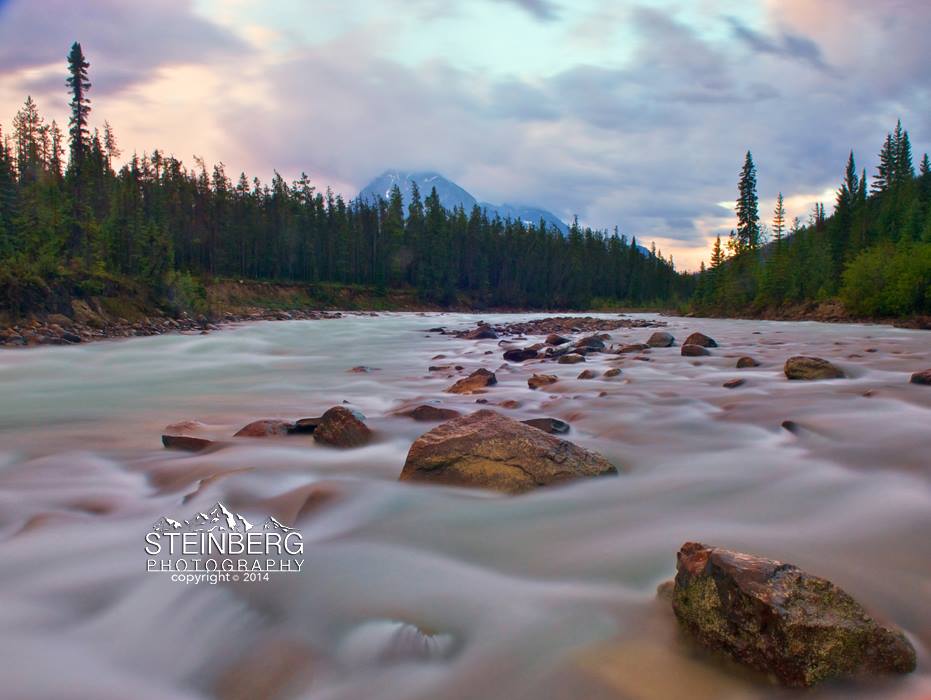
x=544, y=10
x=786, y=44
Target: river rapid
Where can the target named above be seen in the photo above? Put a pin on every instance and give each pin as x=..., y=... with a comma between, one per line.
x=546, y=595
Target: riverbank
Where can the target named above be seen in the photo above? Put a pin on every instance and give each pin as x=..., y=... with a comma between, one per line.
x=832, y=311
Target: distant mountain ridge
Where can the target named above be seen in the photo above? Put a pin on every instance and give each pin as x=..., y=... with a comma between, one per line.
x=452, y=195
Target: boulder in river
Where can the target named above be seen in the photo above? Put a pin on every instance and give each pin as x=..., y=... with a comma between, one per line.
x=613, y=372
x=923, y=377
x=700, y=339
x=186, y=443
x=427, y=413
x=570, y=359
x=592, y=343
x=554, y=339
x=811, y=368
x=635, y=347
x=587, y=374
x=478, y=380
x=747, y=361
x=342, y=427
x=690, y=350
x=519, y=354
x=267, y=427
x=661, y=339
x=553, y=426
x=480, y=333
x=778, y=619
x=538, y=380
x=488, y=450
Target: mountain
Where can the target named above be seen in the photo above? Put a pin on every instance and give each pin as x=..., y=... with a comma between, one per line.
x=452, y=195
x=217, y=518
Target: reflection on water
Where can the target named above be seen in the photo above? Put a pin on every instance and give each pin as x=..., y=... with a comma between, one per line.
x=418, y=592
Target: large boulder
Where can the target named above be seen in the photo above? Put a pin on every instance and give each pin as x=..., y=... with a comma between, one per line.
x=811, y=368
x=342, y=427
x=487, y=450
x=480, y=333
x=477, y=381
x=778, y=619
x=700, y=339
x=923, y=377
x=661, y=339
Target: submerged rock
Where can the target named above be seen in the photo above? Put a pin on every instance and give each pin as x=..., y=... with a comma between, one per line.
x=700, y=339
x=476, y=381
x=553, y=426
x=587, y=374
x=635, y=347
x=734, y=383
x=690, y=350
x=593, y=343
x=538, y=380
x=778, y=619
x=571, y=359
x=613, y=372
x=426, y=412
x=811, y=368
x=268, y=427
x=305, y=425
x=661, y=339
x=186, y=443
x=921, y=377
x=480, y=333
x=488, y=450
x=342, y=427
x=554, y=339
x=747, y=361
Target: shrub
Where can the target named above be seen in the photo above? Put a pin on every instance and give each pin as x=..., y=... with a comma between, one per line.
x=889, y=281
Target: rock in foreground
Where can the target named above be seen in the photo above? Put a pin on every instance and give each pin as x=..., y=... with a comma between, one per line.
x=780, y=620
x=426, y=412
x=538, y=380
x=691, y=350
x=661, y=339
x=487, y=450
x=268, y=427
x=811, y=368
x=922, y=377
x=700, y=339
x=341, y=427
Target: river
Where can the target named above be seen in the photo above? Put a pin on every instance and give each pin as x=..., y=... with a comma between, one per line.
x=547, y=595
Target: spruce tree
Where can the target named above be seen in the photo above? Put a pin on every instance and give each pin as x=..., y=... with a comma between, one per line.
x=748, y=215
x=80, y=103
x=779, y=219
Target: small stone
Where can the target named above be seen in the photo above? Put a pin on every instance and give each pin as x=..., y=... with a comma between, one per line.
x=477, y=381
x=554, y=339
x=510, y=404
x=923, y=377
x=733, y=383
x=747, y=361
x=613, y=372
x=538, y=380
x=689, y=350
x=342, y=427
x=362, y=369
x=553, y=426
x=268, y=427
x=571, y=359
x=661, y=339
x=700, y=339
x=519, y=354
x=428, y=413
x=480, y=333
x=587, y=374
x=186, y=443
x=635, y=347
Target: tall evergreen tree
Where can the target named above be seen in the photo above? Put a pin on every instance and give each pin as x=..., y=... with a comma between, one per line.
x=748, y=215
x=80, y=103
x=779, y=219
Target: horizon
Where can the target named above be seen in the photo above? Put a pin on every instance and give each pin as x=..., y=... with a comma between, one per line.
x=642, y=99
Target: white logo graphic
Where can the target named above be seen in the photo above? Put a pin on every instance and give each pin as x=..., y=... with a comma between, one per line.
x=221, y=546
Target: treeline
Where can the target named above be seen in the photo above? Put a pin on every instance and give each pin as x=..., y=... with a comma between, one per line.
x=158, y=221
x=873, y=252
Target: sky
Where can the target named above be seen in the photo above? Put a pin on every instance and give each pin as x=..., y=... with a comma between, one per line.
x=629, y=114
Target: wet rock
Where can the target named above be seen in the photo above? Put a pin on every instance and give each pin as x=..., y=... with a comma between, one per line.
x=587, y=374
x=571, y=359
x=781, y=620
x=305, y=425
x=734, y=383
x=613, y=372
x=661, y=339
x=635, y=347
x=342, y=427
x=438, y=357
x=554, y=339
x=477, y=381
x=811, y=368
x=554, y=426
x=791, y=426
x=700, y=339
x=538, y=380
x=268, y=427
x=519, y=354
x=747, y=361
x=362, y=369
x=185, y=427
x=923, y=377
x=510, y=404
x=482, y=332
x=488, y=450
x=592, y=343
x=689, y=350
x=428, y=413
x=187, y=443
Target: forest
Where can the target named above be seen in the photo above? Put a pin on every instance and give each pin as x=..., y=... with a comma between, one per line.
x=169, y=226
x=873, y=253
x=68, y=212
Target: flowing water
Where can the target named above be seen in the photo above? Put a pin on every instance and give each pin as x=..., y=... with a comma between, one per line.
x=547, y=595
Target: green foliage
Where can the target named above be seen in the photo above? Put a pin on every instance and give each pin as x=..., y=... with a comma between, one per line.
x=185, y=293
x=889, y=281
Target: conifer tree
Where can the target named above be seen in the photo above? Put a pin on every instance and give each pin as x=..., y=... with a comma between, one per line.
x=779, y=219
x=748, y=216
x=80, y=103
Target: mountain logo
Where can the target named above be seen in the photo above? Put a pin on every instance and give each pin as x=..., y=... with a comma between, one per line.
x=218, y=518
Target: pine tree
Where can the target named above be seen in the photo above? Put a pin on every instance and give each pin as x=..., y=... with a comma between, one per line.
x=779, y=219
x=748, y=216
x=924, y=168
x=885, y=171
x=80, y=103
